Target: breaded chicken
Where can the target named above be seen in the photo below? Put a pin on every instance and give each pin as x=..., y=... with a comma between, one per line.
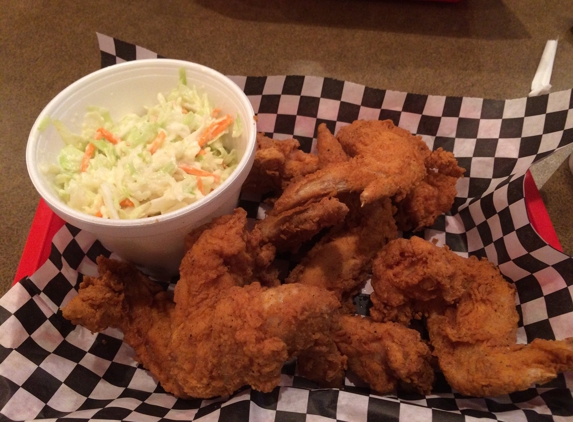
x=385, y=162
x=328, y=148
x=222, y=329
x=341, y=261
x=433, y=196
x=471, y=318
x=289, y=230
x=122, y=297
x=385, y=354
x=276, y=164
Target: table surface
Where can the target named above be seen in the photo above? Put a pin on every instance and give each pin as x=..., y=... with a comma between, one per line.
x=479, y=48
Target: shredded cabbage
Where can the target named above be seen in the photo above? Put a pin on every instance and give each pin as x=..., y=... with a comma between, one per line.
x=148, y=165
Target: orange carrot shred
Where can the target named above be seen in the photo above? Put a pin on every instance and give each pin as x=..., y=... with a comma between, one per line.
x=215, y=112
x=214, y=130
x=156, y=143
x=198, y=172
x=200, y=185
x=99, y=214
x=126, y=203
x=88, y=154
x=202, y=152
x=104, y=133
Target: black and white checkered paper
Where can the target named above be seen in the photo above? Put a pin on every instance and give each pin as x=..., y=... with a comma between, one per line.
x=52, y=370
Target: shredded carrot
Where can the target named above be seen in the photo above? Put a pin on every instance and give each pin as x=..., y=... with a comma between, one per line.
x=126, y=203
x=198, y=172
x=156, y=143
x=99, y=214
x=184, y=110
x=104, y=133
x=215, y=112
x=88, y=154
x=215, y=129
x=200, y=185
x=202, y=152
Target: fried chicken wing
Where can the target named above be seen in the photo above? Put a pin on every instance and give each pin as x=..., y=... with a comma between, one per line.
x=384, y=354
x=408, y=276
x=471, y=318
x=328, y=149
x=385, y=161
x=122, y=297
x=222, y=329
x=341, y=261
x=476, y=368
x=248, y=336
x=289, y=230
x=276, y=164
x=433, y=196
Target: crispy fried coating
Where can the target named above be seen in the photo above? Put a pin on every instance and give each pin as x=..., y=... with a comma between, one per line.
x=289, y=230
x=392, y=152
x=323, y=362
x=230, y=323
x=222, y=330
x=223, y=255
x=248, y=336
x=384, y=354
x=276, y=164
x=385, y=162
x=341, y=261
x=433, y=196
x=474, y=367
x=328, y=149
x=122, y=297
x=409, y=276
x=471, y=318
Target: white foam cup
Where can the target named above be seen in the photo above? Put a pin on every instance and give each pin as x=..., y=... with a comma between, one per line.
x=153, y=243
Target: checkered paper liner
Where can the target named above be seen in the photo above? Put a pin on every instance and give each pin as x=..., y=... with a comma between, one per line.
x=51, y=370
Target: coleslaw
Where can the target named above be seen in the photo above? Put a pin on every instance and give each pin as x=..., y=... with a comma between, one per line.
x=143, y=166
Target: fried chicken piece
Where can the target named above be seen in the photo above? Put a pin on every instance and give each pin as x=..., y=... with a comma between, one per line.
x=276, y=164
x=223, y=255
x=228, y=250
x=476, y=367
x=323, y=362
x=328, y=149
x=124, y=298
x=385, y=162
x=275, y=229
x=384, y=354
x=433, y=196
x=289, y=230
x=341, y=260
x=471, y=318
x=223, y=329
x=409, y=276
x=248, y=336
